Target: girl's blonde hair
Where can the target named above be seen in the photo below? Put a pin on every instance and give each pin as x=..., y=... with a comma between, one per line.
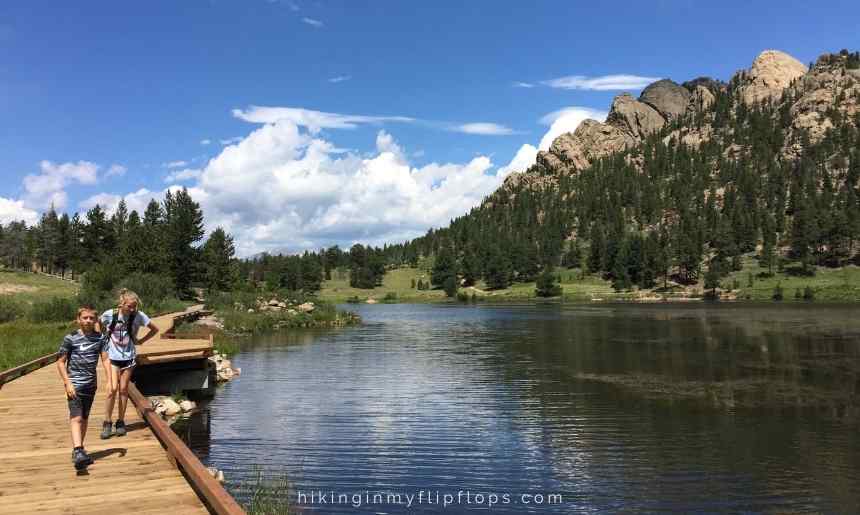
x=126, y=295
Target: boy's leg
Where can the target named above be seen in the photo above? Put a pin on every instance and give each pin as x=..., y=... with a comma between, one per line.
x=75, y=427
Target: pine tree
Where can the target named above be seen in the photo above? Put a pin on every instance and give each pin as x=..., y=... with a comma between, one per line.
x=218, y=254
x=183, y=229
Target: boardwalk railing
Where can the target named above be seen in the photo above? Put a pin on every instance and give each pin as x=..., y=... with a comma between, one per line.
x=26, y=368
x=209, y=489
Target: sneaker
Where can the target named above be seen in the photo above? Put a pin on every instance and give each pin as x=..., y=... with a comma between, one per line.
x=82, y=459
x=106, y=429
x=120, y=428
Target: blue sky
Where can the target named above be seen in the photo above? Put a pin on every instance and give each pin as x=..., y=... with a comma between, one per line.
x=399, y=115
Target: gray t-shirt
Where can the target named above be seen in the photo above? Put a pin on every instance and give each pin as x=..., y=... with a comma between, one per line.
x=82, y=352
x=120, y=341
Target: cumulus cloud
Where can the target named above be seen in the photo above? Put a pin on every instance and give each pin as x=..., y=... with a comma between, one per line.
x=48, y=186
x=175, y=164
x=312, y=22
x=283, y=188
x=135, y=201
x=314, y=121
x=340, y=78
x=485, y=129
x=566, y=120
x=205, y=141
x=560, y=122
x=15, y=211
x=116, y=169
x=602, y=83
x=183, y=175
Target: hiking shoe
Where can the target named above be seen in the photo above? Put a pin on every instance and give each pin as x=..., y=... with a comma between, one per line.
x=82, y=459
x=120, y=428
x=106, y=429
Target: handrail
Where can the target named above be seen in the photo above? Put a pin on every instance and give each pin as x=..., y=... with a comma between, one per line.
x=14, y=373
x=216, y=497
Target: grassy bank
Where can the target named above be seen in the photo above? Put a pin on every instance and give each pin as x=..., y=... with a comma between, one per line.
x=24, y=341
x=827, y=285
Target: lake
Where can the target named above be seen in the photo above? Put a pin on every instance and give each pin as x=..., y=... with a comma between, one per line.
x=550, y=408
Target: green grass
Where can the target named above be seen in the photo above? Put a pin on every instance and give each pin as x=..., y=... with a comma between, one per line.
x=28, y=287
x=23, y=341
x=829, y=284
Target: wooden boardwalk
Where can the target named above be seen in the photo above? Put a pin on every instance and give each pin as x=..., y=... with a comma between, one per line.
x=134, y=474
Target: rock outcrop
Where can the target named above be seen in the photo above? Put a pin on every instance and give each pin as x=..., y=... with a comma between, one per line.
x=667, y=97
x=576, y=150
x=634, y=118
x=771, y=72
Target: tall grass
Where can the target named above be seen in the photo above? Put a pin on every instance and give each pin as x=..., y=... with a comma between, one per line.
x=24, y=341
x=266, y=495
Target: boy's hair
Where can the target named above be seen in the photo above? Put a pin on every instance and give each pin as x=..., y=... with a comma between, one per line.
x=126, y=295
x=86, y=307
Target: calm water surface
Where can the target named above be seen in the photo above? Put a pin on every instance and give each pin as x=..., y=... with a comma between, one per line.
x=614, y=408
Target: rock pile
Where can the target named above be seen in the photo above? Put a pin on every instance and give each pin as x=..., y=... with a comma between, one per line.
x=224, y=370
x=278, y=305
x=168, y=408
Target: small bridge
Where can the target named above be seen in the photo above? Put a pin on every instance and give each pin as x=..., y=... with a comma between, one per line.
x=150, y=470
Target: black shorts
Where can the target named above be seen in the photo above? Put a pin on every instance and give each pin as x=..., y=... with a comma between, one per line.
x=81, y=404
x=123, y=364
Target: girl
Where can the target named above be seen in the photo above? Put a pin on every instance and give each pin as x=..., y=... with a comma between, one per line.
x=122, y=325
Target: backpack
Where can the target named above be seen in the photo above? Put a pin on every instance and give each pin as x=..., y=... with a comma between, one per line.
x=129, y=324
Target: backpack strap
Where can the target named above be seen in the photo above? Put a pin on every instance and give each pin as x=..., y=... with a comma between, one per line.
x=129, y=324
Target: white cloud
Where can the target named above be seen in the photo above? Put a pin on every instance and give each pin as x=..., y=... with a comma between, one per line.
x=566, y=120
x=485, y=129
x=283, y=189
x=314, y=121
x=205, y=141
x=15, y=211
x=340, y=78
x=174, y=164
x=560, y=122
x=183, y=175
x=230, y=141
x=48, y=187
x=312, y=22
x=524, y=158
x=603, y=83
x=523, y=85
x=116, y=169
x=135, y=201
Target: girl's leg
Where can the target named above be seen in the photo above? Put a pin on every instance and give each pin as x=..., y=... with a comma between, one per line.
x=114, y=380
x=124, y=379
x=75, y=427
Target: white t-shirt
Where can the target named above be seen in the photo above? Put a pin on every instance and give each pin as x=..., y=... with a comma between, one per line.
x=120, y=342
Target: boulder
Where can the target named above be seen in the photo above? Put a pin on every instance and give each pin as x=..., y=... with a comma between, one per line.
x=170, y=407
x=250, y=310
x=370, y=301
x=591, y=140
x=771, y=72
x=634, y=118
x=667, y=97
x=187, y=405
x=273, y=302
x=701, y=99
x=307, y=307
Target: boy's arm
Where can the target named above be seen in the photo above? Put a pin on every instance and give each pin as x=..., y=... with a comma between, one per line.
x=67, y=383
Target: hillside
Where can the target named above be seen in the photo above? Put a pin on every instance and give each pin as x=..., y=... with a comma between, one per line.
x=681, y=183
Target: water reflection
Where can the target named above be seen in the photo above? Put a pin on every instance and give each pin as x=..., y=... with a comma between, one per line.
x=614, y=407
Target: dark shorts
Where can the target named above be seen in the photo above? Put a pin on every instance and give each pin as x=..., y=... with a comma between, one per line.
x=123, y=364
x=80, y=406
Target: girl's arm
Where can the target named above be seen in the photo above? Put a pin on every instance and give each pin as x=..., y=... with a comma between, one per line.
x=153, y=330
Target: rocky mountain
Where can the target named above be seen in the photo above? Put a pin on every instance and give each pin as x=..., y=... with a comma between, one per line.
x=773, y=77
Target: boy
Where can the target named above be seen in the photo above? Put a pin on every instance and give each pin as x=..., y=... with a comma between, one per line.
x=121, y=325
x=79, y=356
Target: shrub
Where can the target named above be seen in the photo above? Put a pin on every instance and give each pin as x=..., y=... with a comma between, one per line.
x=777, y=292
x=462, y=296
x=57, y=309
x=808, y=293
x=450, y=286
x=750, y=280
x=547, y=285
x=797, y=294
x=390, y=297
x=9, y=309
